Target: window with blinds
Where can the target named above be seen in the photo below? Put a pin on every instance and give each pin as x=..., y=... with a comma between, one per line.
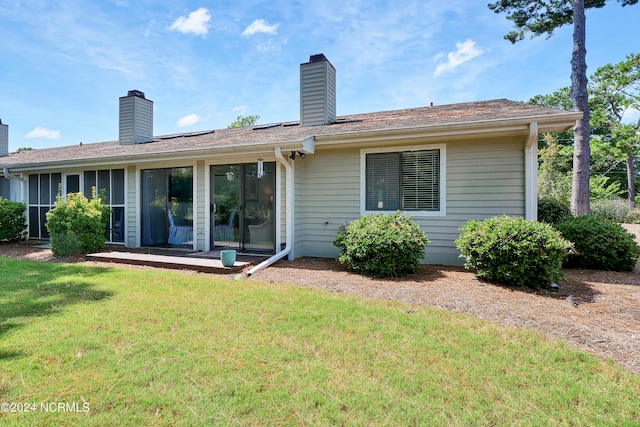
x=407, y=180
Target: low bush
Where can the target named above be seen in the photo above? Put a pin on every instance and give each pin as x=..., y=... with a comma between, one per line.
x=382, y=245
x=85, y=219
x=13, y=223
x=599, y=244
x=615, y=209
x=552, y=211
x=513, y=251
x=633, y=217
x=65, y=243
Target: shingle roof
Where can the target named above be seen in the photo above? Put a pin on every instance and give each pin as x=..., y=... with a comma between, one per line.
x=279, y=133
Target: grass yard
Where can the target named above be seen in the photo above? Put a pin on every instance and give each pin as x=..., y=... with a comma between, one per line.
x=122, y=346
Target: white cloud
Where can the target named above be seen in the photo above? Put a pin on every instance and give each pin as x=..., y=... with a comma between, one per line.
x=260, y=26
x=41, y=132
x=465, y=52
x=196, y=23
x=189, y=120
x=631, y=115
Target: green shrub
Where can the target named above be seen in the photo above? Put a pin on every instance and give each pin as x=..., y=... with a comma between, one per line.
x=552, y=211
x=513, y=251
x=633, y=217
x=382, y=245
x=65, y=243
x=86, y=220
x=615, y=209
x=599, y=244
x=13, y=223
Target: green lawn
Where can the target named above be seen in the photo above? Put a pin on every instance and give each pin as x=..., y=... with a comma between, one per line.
x=149, y=347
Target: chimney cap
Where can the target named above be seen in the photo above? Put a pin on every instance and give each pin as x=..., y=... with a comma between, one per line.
x=137, y=93
x=318, y=58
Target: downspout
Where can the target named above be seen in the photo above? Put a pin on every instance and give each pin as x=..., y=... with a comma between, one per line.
x=5, y=172
x=531, y=173
x=288, y=216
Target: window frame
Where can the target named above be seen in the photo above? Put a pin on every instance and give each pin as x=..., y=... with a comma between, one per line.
x=442, y=188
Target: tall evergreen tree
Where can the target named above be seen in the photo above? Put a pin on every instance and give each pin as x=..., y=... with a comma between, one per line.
x=543, y=17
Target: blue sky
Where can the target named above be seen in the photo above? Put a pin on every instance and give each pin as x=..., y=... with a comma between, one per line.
x=63, y=65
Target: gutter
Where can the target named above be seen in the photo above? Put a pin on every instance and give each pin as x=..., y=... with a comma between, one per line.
x=5, y=172
x=289, y=217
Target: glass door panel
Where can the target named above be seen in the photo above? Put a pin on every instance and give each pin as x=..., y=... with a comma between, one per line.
x=226, y=209
x=243, y=207
x=259, y=218
x=167, y=207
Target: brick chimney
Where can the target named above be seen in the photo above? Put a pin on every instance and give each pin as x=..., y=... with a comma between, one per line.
x=136, y=118
x=317, y=92
x=4, y=139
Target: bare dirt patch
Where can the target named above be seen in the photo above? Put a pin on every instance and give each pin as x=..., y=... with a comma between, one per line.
x=596, y=311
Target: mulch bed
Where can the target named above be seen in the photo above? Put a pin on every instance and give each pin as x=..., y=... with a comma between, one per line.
x=595, y=311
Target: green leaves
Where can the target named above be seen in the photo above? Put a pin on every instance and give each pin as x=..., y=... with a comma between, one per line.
x=600, y=244
x=381, y=245
x=86, y=220
x=241, y=121
x=13, y=223
x=513, y=251
x=541, y=16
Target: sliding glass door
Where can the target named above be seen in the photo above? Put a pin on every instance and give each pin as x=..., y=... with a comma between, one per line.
x=167, y=207
x=243, y=215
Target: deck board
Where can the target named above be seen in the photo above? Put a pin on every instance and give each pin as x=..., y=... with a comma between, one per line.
x=205, y=265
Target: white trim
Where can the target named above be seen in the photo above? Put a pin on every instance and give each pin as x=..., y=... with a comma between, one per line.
x=138, y=207
x=207, y=206
x=443, y=178
x=194, y=207
x=531, y=173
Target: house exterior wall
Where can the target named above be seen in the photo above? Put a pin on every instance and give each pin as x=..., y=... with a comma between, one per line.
x=200, y=205
x=132, y=206
x=484, y=178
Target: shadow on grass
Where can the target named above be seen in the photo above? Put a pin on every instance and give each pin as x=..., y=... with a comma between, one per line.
x=36, y=289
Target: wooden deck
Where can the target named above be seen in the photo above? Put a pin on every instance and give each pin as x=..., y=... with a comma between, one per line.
x=205, y=263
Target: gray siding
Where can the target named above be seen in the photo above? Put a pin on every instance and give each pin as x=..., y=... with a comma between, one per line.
x=200, y=208
x=131, y=206
x=317, y=93
x=330, y=197
x=299, y=215
x=4, y=140
x=484, y=178
x=136, y=120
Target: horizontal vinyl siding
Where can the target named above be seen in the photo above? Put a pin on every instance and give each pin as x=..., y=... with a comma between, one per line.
x=485, y=178
x=298, y=208
x=200, y=208
x=132, y=205
x=331, y=198
x=317, y=93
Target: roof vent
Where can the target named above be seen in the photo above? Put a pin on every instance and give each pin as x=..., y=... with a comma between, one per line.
x=317, y=91
x=136, y=118
x=4, y=139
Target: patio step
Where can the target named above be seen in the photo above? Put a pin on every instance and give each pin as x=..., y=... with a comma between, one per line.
x=204, y=265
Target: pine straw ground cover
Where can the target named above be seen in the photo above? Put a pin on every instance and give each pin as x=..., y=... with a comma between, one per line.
x=605, y=319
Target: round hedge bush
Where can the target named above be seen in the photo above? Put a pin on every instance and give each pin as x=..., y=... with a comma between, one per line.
x=382, y=245
x=600, y=244
x=552, y=211
x=513, y=251
x=13, y=223
x=74, y=214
